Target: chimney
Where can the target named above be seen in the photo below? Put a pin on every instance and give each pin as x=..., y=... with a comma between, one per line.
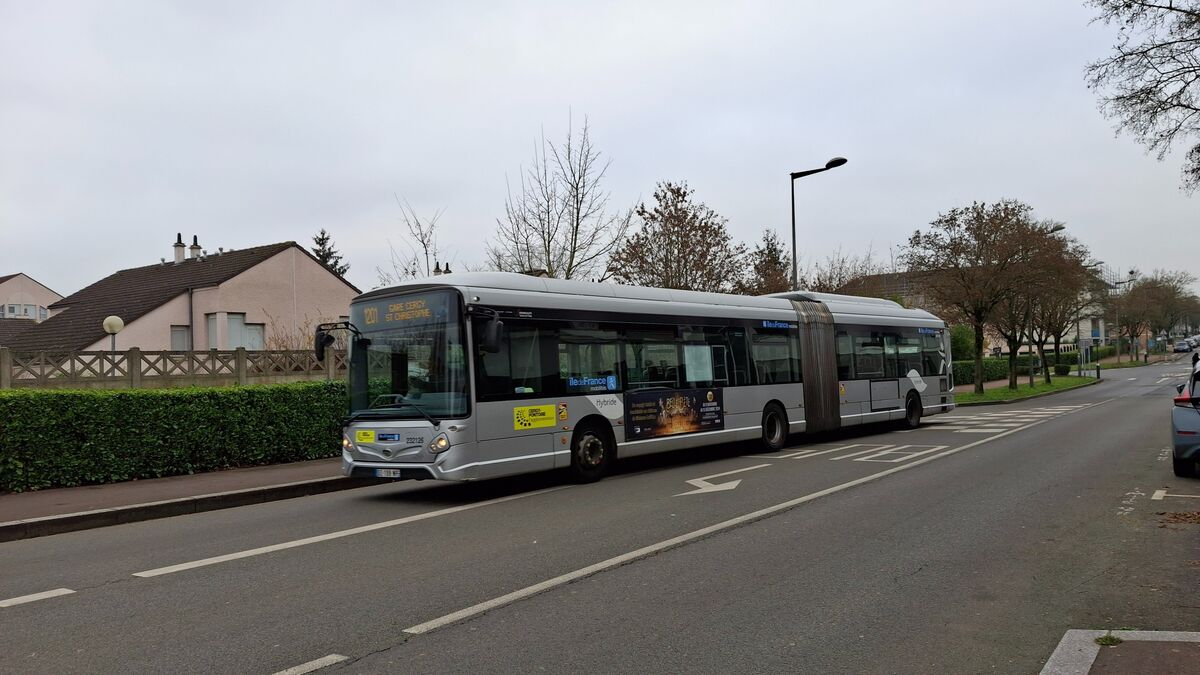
x=178, y=246
x=194, y=249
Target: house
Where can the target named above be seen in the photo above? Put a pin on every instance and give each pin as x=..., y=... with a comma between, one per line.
x=260, y=297
x=22, y=297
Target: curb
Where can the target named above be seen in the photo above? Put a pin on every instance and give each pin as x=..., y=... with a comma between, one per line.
x=1028, y=398
x=86, y=520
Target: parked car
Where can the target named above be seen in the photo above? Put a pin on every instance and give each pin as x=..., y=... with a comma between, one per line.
x=1183, y=346
x=1185, y=426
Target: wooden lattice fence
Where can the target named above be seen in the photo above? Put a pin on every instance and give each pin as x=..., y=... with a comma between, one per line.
x=136, y=368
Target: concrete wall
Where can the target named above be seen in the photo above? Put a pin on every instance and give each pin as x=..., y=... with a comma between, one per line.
x=22, y=290
x=288, y=293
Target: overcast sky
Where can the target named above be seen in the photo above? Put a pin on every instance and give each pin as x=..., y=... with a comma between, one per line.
x=122, y=123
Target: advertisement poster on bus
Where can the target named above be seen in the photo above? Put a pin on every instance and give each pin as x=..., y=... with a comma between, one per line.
x=667, y=412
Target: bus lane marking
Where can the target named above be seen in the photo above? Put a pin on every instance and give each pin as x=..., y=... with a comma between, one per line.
x=646, y=551
x=171, y=569
x=702, y=485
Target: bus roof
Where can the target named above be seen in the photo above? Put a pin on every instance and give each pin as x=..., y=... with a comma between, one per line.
x=848, y=308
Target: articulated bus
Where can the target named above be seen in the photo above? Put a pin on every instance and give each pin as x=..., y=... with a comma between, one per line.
x=479, y=375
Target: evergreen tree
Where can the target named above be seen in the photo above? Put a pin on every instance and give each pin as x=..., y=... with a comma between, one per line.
x=328, y=255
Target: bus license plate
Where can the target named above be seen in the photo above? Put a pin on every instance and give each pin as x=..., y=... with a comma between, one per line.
x=387, y=473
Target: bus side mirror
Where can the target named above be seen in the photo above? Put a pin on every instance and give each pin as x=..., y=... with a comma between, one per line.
x=321, y=340
x=491, y=336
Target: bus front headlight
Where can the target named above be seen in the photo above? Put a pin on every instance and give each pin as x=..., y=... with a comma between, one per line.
x=346, y=444
x=440, y=443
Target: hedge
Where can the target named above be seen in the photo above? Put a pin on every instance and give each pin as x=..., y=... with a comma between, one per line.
x=59, y=438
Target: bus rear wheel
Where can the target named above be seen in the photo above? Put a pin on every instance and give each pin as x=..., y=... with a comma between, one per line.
x=774, y=428
x=912, y=412
x=592, y=453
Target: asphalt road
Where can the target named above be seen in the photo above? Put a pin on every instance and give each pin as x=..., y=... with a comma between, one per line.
x=970, y=545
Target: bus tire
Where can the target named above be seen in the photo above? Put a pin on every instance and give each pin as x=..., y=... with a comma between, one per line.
x=1184, y=468
x=774, y=428
x=912, y=412
x=592, y=453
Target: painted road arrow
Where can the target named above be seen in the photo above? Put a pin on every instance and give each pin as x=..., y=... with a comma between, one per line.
x=702, y=485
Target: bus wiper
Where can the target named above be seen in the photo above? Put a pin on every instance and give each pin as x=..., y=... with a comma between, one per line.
x=401, y=404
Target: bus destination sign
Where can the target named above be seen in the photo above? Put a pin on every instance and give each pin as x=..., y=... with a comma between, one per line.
x=407, y=310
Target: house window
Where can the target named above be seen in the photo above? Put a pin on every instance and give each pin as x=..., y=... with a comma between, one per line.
x=43, y=314
x=1, y=311
x=181, y=338
x=242, y=334
x=210, y=327
x=12, y=311
x=28, y=309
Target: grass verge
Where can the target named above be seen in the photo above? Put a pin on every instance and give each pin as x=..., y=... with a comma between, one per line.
x=1060, y=383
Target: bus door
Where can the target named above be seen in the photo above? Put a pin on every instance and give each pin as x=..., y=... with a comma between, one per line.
x=885, y=393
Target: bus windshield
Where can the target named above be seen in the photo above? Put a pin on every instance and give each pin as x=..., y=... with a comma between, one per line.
x=411, y=360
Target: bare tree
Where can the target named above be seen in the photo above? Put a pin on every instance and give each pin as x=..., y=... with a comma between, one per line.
x=846, y=273
x=1075, y=287
x=558, y=220
x=1151, y=80
x=423, y=252
x=770, y=267
x=971, y=260
x=681, y=244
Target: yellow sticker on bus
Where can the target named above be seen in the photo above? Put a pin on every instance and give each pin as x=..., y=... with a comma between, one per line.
x=364, y=436
x=533, y=417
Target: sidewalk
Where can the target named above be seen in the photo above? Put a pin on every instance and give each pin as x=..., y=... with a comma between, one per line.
x=43, y=512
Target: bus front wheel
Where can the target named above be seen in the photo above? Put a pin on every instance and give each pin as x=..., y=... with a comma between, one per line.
x=592, y=453
x=774, y=428
x=912, y=412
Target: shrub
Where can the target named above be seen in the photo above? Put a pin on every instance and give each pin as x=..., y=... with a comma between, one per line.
x=57, y=438
x=1062, y=369
x=993, y=369
x=962, y=342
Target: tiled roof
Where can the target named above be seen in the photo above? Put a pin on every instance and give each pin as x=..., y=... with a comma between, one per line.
x=133, y=293
x=10, y=327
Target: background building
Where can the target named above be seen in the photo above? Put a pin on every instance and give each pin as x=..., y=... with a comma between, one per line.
x=259, y=298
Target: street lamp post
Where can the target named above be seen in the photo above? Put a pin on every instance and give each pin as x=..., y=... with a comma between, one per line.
x=1029, y=310
x=112, y=325
x=1117, y=311
x=831, y=164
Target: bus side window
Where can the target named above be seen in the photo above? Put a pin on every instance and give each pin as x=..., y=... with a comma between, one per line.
x=522, y=367
x=845, y=356
x=739, y=354
x=909, y=354
x=932, y=355
x=868, y=356
x=771, y=349
x=588, y=360
x=652, y=359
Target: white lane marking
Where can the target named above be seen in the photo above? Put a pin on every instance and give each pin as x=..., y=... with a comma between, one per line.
x=1131, y=379
x=624, y=558
x=989, y=430
x=787, y=456
x=702, y=485
x=860, y=452
x=35, y=597
x=1158, y=495
x=315, y=664
x=1164, y=494
x=814, y=453
x=336, y=535
x=902, y=456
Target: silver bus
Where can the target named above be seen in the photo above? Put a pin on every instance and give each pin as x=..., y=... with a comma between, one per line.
x=479, y=375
